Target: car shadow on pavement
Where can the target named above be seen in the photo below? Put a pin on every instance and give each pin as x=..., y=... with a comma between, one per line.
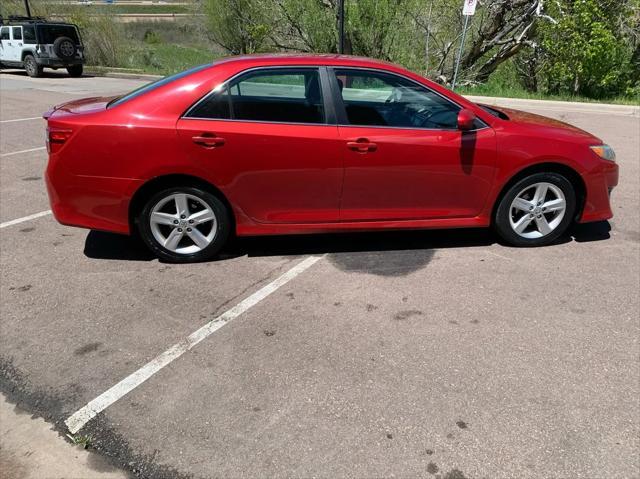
x=111, y=246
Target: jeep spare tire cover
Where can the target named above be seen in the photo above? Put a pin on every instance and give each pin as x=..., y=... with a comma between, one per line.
x=64, y=47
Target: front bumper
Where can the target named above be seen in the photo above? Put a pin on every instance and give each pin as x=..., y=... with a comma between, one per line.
x=599, y=184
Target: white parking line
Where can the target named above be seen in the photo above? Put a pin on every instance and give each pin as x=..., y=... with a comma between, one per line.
x=22, y=119
x=76, y=421
x=24, y=218
x=23, y=151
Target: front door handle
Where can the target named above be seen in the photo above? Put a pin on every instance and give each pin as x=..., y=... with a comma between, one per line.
x=208, y=140
x=362, y=145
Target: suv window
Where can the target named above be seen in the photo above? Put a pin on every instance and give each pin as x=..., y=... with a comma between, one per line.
x=291, y=95
x=4, y=33
x=29, y=33
x=383, y=99
x=17, y=33
x=49, y=33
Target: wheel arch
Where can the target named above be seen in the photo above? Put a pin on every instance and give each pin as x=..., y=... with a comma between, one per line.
x=158, y=183
x=25, y=52
x=547, y=167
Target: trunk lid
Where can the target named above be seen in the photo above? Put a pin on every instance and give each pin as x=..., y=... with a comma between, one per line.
x=79, y=107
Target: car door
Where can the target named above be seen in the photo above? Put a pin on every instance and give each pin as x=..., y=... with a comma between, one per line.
x=268, y=139
x=15, y=49
x=404, y=156
x=5, y=44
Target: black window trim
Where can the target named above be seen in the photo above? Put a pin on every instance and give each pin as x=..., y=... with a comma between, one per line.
x=341, y=111
x=330, y=118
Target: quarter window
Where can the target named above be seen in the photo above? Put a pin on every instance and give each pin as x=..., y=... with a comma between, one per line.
x=29, y=34
x=383, y=99
x=283, y=95
x=17, y=33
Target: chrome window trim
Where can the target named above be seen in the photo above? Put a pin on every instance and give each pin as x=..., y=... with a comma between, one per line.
x=258, y=121
x=228, y=81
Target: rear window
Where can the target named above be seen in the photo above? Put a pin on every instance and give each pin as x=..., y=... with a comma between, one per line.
x=49, y=33
x=154, y=85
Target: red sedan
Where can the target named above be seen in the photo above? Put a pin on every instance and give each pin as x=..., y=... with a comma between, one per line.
x=276, y=144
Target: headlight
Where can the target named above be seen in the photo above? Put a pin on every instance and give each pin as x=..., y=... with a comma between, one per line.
x=605, y=152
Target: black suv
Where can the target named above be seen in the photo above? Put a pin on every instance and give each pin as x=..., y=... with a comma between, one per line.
x=34, y=43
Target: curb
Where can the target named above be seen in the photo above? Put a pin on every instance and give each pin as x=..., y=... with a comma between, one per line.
x=123, y=75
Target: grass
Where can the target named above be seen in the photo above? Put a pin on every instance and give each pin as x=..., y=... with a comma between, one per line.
x=79, y=440
x=165, y=58
x=515, y=91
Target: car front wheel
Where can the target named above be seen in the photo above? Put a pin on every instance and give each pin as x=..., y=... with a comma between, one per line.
x=184, y=224
x=536, y=210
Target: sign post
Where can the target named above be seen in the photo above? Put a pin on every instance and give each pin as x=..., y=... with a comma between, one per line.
x=468, y=10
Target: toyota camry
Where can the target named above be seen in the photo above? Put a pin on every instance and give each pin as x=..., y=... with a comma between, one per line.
x=289, y=144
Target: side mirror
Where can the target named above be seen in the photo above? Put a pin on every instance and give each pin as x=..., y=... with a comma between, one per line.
x=466, y=120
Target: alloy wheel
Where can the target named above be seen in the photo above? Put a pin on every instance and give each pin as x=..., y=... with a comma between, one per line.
x=537, y=210
x=183, y=223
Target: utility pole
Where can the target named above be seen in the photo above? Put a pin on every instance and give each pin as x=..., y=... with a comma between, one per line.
x=340, y=26
x=26, y=6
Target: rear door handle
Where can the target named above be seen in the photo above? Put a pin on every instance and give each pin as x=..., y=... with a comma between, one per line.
x=362, y=145
x=208, y=140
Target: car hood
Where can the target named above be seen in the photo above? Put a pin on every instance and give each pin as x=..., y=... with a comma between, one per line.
x=531, y=120
x=85, y=105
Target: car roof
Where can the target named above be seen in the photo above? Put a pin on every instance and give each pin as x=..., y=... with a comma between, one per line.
x=306, y=59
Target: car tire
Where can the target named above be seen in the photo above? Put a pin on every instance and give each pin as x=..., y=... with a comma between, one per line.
x=172, y=224
x=536, y=210
x=65, y=48
x=31, y=66
x=75, y=70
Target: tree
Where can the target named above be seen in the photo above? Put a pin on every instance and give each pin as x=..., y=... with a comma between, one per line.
x=240, y=26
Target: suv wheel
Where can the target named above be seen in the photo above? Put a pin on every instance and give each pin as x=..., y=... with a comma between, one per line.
x=31, y=66
x=184, y=224
x=537, y=210
x=75, y=70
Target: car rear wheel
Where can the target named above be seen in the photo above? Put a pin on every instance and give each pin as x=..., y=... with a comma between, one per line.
x=184, y=224
x=31, y=66
x=75, y=70
x=536, y=210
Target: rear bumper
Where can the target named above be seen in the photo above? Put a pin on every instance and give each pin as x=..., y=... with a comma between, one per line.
x=57, y=62
x=599, y=185
x=91, y=202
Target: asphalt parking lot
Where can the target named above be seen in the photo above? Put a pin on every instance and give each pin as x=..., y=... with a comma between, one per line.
x=400, y=354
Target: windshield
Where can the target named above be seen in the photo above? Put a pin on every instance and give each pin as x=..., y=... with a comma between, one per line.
x=49, y=33
x=153, y=85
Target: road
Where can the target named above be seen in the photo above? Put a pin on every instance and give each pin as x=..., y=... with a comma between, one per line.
x=431, y=354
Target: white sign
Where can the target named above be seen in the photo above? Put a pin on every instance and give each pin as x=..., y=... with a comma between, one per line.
x=469, y=7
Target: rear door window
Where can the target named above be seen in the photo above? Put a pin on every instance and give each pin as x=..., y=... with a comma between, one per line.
x=288, y=95
x=17, y=33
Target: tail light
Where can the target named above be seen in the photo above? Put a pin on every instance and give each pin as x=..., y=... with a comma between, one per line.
x=56, y=137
